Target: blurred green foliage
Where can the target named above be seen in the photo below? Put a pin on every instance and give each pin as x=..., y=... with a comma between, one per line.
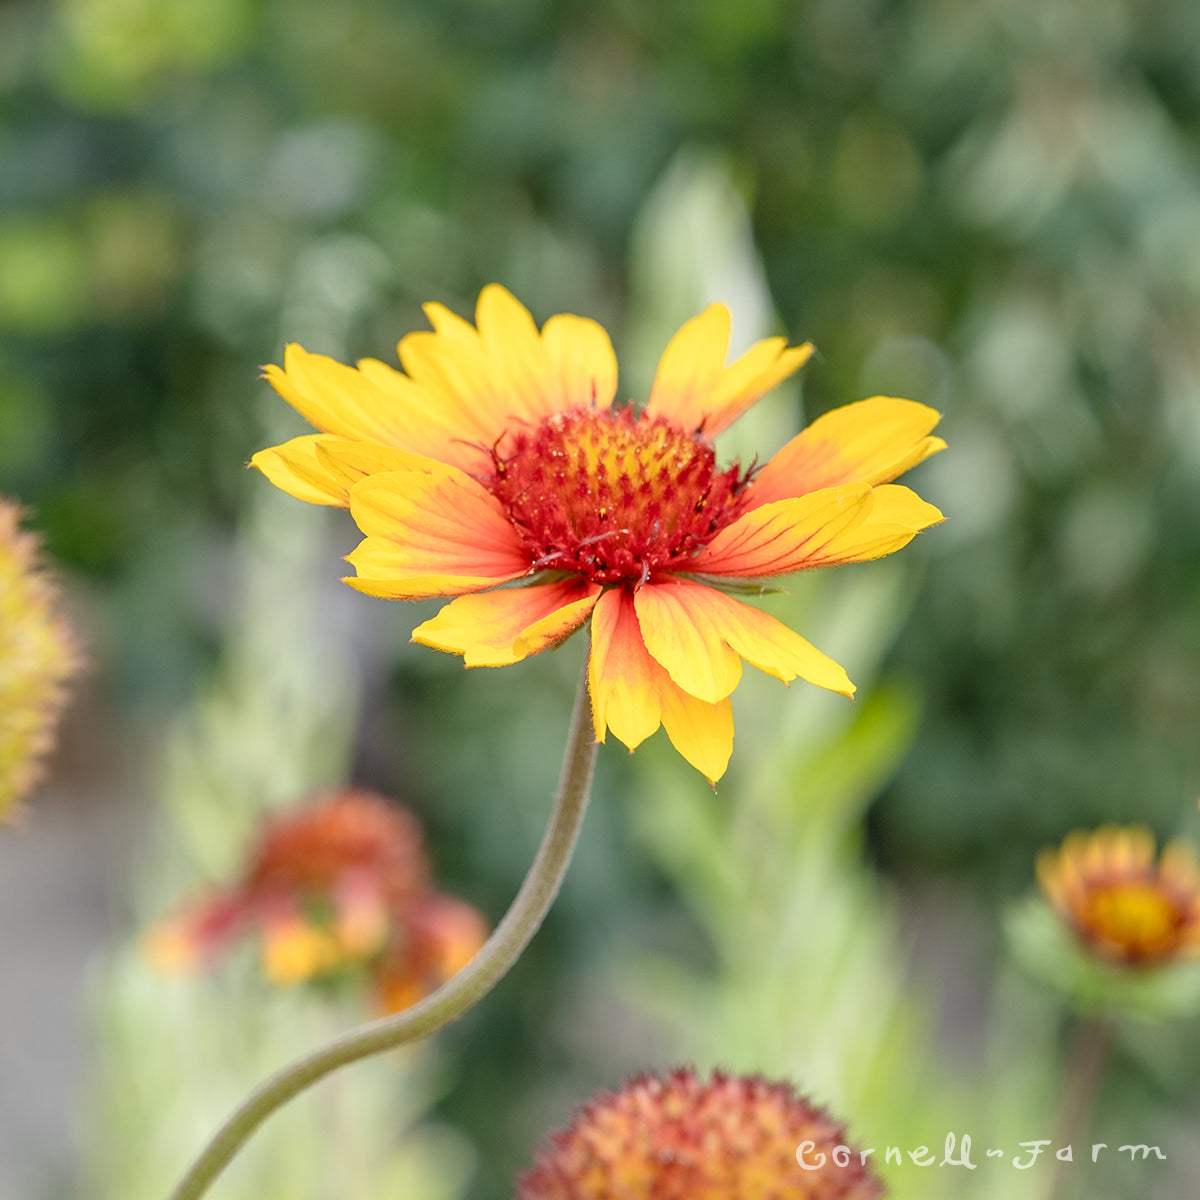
x=991, y=207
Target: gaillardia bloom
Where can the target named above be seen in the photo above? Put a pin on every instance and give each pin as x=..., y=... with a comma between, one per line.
x=495, y=468
x=38, y=655
x=679, y=1138
x=1120, y=901
x=338, y=885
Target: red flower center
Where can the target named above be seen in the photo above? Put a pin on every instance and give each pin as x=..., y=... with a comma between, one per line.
x=614, y=495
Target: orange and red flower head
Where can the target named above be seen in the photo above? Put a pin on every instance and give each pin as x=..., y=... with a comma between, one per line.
x=1121, y=901
x=683, y=1138
x=341, y=884
x=495, y=469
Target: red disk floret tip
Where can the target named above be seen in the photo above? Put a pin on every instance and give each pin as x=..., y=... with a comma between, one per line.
x=614, y=495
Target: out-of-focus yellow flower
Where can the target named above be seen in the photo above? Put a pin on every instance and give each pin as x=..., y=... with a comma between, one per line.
x=341, y=884
x=38, y=656
x=1121, y=901
x=680, y=1138
x=497, y=470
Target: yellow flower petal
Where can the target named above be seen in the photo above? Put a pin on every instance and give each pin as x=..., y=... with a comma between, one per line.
x=871, y=441
x=321, y=468
x=680, y=632
x=632, y=694
x=694, y=387
x=786, y=536
x=494, y=629
x=622, y=677
x=896, y=516
x=295, y=469
x=703, y=617
x=339, y=399
x=701, y=732
x=432, y=426
x=422, y=524
x=505, y=371
x=347, y=462
x=464, y=386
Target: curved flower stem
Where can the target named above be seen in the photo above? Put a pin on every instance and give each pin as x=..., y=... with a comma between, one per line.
x=454, y=997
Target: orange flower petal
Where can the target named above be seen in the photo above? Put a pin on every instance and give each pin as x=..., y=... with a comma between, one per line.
x=696, y=617
x=871, y=441
x=785, y=536
x=493, y=629
x=683, y=634
x=622, y=677
x=632, y=694
x=694, y=387
x=425, y=525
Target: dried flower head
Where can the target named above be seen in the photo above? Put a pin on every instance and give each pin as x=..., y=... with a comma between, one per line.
x=38, y=656
x=341, y=884
x=1119, y=900
x=681, y=1138
x=496, y=469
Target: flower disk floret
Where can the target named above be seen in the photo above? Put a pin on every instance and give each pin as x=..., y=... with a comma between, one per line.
x=495, y=469
x=613, y=496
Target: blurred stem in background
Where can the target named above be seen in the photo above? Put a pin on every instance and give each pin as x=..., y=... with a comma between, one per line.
x=1084, y=1075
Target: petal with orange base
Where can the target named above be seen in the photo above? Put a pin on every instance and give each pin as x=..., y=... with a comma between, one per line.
x=622, y=677
x=871, y=441
x=683, y=621
x=494, y=629
x=785, y=536
x=683, y=634
x=632, y=694
x=435, y=532
x=694, y=387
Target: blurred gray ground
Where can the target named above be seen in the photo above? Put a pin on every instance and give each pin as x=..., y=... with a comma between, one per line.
x=62, y=885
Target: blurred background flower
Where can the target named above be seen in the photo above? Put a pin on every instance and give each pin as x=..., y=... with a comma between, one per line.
x=38, y=656
x=1122, y=901
x=338, y=887
x=1116, y=930
x=992, y=209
